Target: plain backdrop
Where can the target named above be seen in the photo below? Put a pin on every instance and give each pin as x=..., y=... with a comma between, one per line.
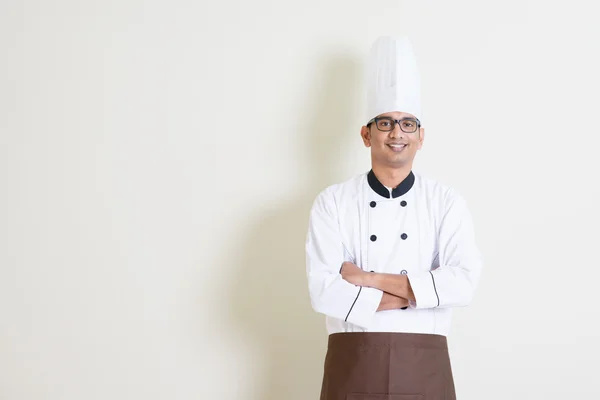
x=159, y=159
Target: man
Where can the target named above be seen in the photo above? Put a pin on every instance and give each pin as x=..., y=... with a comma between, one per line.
x=389, y=253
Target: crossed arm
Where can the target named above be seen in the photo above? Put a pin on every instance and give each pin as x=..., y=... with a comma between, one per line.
x=354, y=296
x=396, y=288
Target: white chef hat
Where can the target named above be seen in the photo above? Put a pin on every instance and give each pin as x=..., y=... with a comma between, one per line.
x=393, y=80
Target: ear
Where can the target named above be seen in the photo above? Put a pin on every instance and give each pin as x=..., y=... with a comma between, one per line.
x=421, y=138
x=365, y=134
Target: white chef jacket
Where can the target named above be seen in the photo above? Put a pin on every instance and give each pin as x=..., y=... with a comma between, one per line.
x=421, y=228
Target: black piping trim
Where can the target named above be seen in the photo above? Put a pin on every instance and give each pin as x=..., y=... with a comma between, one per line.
x=434, y=288
x=346, y=320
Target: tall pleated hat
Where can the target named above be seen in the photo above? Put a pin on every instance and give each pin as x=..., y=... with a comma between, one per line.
x=393, y=79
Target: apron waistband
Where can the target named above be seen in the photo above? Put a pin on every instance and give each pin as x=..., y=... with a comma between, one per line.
x=386, y=339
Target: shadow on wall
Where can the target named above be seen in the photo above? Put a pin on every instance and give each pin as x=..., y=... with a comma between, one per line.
x=270, y=303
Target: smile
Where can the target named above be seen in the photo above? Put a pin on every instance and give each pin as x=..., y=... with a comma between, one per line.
x=397, y=147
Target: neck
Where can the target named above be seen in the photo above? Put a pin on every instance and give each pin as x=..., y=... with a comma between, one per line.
x=391, y=176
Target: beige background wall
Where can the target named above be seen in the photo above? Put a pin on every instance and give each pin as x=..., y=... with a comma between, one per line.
x=158, y=161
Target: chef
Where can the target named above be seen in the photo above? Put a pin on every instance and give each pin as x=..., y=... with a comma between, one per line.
x=390, y=253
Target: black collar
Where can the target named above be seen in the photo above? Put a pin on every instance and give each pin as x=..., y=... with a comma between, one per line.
x=398, y=191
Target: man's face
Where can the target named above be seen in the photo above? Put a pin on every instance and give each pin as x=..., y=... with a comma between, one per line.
x=395, y=148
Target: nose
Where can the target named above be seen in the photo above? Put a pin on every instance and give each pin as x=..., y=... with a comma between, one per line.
x=396, y=132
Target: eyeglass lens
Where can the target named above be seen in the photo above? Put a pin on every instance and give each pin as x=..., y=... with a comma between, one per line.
x=388, y=124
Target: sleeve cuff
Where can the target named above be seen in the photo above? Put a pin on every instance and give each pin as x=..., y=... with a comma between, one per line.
x=365, y=306
x=423, y=287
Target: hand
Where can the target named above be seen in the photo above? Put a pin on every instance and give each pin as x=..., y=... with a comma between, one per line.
x=391, y=302
x=353, y=274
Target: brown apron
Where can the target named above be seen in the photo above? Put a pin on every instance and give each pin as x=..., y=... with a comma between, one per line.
x=387, y=366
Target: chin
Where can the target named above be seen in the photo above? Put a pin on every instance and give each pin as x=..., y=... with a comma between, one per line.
x=399, y=159
x=396, y=163
x=394, y=160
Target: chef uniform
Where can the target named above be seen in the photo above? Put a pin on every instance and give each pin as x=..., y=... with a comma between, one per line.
x=422, y=229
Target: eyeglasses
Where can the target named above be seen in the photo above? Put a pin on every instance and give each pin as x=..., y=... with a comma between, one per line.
x=387, y=124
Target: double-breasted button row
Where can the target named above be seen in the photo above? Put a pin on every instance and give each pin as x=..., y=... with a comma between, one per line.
x=373, y=204
x=404, y=236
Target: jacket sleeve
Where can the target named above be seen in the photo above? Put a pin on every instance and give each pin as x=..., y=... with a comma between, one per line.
x=325, y=253
x=453, y=282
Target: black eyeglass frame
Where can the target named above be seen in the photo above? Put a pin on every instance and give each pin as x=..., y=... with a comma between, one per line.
x=395, y=121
